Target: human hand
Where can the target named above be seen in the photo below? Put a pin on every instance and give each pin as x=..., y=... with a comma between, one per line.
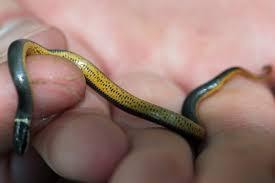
x=145, y=52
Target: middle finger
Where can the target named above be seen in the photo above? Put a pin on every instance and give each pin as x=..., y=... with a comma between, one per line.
x=156, y=154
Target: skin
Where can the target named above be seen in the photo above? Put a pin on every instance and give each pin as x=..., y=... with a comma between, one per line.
x=171, y=53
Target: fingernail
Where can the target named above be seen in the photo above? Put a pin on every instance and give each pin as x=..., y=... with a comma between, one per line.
x=17, y=29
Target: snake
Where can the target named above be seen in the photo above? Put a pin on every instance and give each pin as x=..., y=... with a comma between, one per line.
x=185, y=124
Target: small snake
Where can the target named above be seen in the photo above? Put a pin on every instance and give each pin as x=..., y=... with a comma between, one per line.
x=184, y=125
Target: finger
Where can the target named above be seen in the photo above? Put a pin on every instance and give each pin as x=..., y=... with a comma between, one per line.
x=54, y=89
x=8, y=95
x=156, y=154
x=13, y=168
x=60, y=98
x=57, y=87
x=240, y=125
x=83, y=145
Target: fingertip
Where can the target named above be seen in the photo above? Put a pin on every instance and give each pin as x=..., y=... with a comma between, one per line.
x=156, y=156
x=82, y=146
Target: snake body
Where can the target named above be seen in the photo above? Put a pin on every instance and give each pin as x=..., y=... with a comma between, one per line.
x=184, y=125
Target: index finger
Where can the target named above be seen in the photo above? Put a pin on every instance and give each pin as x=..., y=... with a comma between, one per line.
x=55, y=90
